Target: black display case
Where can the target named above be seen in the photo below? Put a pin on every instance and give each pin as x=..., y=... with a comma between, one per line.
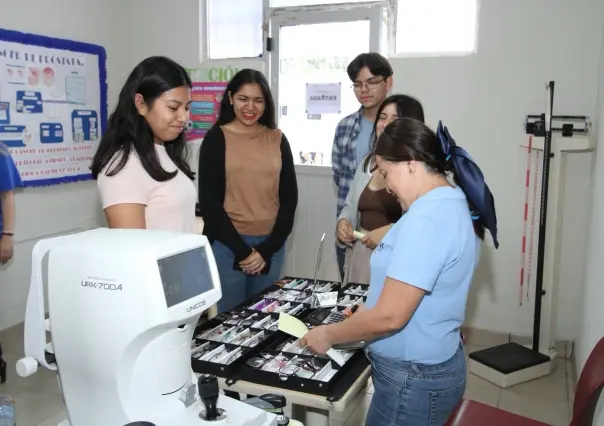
x=245, y=343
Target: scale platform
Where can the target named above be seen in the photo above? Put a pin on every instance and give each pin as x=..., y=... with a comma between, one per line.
x=511, y=363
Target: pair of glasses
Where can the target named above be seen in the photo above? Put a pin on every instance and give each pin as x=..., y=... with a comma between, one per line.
x=274, y=306
x=205, y=348
x=236, y=318
x=229, y=335
x=285, y=344
x=236, y=354
x=260, y=323
x=217, y=355
x=355, y=291
x=215, y=333
x=306, y=368
x=254, y=340
x=241, y=338
x=296, y=310
x=263, y=304
x=370, y=84
x=277, y=294
x=233, y=356
x=276, y=364
x=274, y=326
x=259, y=361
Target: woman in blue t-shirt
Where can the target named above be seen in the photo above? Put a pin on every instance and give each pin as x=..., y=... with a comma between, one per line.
x=9, y=180
x=421, y=273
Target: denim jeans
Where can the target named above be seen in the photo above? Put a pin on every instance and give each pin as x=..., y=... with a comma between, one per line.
x=237, y=286
x=412, y=394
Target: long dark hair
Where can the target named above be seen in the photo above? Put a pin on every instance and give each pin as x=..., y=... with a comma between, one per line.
x=243, y=77
x=406, y=106
x=407, y=139
x=127, y=129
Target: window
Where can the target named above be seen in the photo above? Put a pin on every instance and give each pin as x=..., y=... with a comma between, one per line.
x=436, y=27
x=234, y=29
x=294, y=3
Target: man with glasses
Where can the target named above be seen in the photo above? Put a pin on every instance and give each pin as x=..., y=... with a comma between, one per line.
x=371, y=76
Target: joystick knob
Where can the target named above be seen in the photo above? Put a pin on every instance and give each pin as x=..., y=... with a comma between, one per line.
x=27, y=366
x=208, y=392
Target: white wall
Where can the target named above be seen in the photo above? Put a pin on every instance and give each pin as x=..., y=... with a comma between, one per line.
x=64, y=208
x=483, y=99
x=592, y=316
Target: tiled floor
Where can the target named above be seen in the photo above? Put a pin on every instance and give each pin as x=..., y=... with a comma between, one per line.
x=549, y=399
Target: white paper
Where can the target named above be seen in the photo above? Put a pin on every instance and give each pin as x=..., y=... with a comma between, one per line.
x=327, y=300
x=323, y=98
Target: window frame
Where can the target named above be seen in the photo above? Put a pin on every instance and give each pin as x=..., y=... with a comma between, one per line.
x=204, y=39
x=289, y=16
x=395, y=54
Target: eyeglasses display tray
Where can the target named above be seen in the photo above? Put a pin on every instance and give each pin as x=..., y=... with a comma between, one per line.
x=245, y=343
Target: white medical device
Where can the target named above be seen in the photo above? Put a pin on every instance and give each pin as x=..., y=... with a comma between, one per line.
x=123, y=306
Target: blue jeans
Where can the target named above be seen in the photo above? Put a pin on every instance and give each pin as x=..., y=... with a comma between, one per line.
x=237, y=287
x=408, y=393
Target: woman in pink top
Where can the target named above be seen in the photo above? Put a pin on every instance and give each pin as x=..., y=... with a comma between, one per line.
x=140, y=165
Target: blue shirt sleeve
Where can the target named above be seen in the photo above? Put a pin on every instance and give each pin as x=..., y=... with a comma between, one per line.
x=420, y=253
x=9, y=175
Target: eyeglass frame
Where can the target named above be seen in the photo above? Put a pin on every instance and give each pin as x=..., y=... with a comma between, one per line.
x=369, y=84
x=305, y=365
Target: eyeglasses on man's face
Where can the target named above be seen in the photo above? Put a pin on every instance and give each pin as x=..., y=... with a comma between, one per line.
x=370, y=84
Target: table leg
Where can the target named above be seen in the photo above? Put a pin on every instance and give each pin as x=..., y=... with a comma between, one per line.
x=310, y=416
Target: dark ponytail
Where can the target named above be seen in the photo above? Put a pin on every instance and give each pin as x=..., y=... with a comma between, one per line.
x=407, y=139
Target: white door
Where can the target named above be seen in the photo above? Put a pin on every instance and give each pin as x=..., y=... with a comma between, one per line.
x=315, y=48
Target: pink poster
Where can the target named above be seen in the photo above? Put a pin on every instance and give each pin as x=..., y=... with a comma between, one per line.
x=205, y=105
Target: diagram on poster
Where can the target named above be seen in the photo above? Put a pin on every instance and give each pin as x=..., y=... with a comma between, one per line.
x=53, y=105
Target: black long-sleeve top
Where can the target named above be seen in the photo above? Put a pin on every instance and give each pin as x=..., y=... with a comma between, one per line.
x=212, y=188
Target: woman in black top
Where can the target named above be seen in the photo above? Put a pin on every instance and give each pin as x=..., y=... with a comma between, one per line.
x=248, y=192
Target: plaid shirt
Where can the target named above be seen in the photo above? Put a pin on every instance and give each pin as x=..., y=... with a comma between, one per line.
x=343, y=156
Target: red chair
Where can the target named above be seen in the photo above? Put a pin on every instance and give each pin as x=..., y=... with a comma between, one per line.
x=589, y=388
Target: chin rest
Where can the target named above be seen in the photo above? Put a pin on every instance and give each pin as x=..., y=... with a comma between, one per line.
x=472, y=413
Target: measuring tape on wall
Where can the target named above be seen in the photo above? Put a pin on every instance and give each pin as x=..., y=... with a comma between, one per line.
x=527, y=188
x=533, y=215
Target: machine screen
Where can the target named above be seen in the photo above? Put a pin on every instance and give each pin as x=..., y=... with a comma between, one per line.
x=185, y=275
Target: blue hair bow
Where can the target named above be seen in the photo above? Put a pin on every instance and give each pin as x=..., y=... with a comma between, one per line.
x=472, y=182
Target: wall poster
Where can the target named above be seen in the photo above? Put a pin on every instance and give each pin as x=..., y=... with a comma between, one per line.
x=205, y=106
x=53, y=105
x=209, y=86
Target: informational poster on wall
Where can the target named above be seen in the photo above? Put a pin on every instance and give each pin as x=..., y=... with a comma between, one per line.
x=209, y=86
x=205, y=106
x=53, y=105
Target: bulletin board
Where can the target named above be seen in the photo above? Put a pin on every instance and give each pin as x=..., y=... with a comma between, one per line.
x=53, y=105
